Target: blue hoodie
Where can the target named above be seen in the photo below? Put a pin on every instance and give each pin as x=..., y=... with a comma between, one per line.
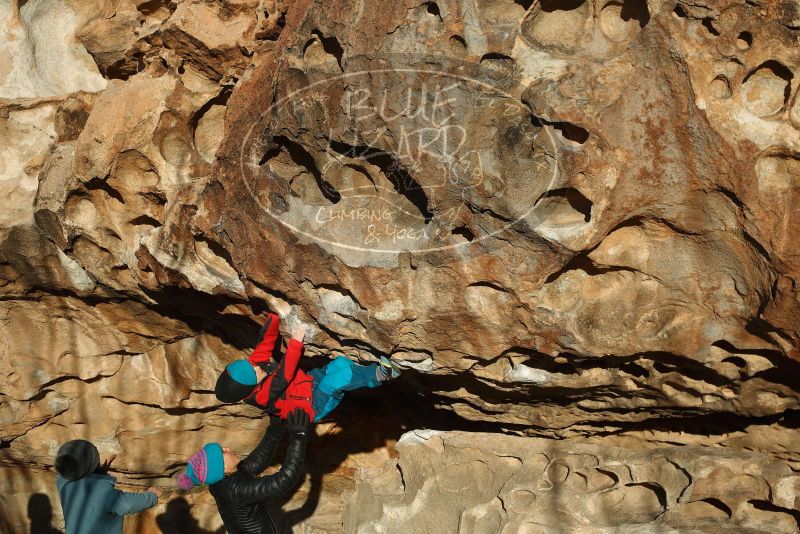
x=92, y=505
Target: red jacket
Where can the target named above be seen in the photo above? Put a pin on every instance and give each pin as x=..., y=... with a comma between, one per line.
x=286, y=386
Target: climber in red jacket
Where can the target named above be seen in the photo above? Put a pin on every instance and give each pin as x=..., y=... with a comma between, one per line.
x=281, y=386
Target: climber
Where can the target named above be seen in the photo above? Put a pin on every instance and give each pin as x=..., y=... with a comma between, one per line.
x=242, y=495
x=280, y=386
x=88, y=498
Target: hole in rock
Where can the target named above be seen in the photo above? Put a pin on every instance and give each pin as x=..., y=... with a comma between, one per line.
x=545, y=362
x=620, y=21
x=215, y=256
x=581, y=262
x=561, y=24
x=393, y=169
x=281, y=22
x=664, y=368
x=220, y=100
x=305, y=160
x=458, y=44
x=156, y=197
x=735, y=360
x=495, y=56
x=145, y=220
x=360, y=169
x=719, y=505
x=744, y=41
x=766, y=88
x=549, y=6
x=526, y=4
x=658, y=489
x=782, y=370
x=537, y=122
x=458, y=41
x=272, y=29
x=433, y=9
x=125, y=67
x=207, y=125
x=574, y=135
x=637, y=11
x=268, y=155
x=767, y=506
x=154, y=7
x=564, y=207
x=679, y=12
x=634, y=369
x=331, y=45
x=464, y=233
x=708, y=24
x=610, y=474
x=498, y=64
x=720, y=87
x=98, y=184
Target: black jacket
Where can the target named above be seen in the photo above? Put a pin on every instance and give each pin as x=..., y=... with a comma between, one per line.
x=242, y=497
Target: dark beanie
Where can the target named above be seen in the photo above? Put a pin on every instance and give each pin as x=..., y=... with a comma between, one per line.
x=236, y=382
x=76, y=459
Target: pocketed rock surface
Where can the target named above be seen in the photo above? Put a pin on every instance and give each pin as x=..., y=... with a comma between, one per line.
x=531, y=485
x=572, y=223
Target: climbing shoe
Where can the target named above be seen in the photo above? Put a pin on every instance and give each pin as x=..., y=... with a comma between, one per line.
x=389, y=369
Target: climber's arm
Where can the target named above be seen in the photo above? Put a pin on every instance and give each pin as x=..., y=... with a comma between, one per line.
x=279, y=484
x=267, y=337
x=262, y=455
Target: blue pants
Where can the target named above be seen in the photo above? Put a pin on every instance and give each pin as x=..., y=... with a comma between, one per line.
x=340, y=375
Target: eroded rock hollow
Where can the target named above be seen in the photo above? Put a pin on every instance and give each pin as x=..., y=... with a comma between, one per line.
x=573, y=223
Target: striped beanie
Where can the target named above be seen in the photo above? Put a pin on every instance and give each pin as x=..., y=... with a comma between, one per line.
x=205, y=467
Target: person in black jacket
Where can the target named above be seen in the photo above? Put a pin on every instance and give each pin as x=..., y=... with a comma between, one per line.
x=241, y=495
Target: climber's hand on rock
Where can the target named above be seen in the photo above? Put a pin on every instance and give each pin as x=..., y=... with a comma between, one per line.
x=297, y=422
x=299, y=332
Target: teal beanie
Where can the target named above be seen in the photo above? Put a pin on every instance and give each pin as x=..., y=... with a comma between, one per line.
x=242, y=371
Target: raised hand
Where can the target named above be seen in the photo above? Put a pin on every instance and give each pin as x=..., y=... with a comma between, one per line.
x=105, y=466
x=297, y=422
x=299, y=332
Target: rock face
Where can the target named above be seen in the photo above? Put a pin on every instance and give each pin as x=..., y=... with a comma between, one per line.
x=567, y=220
x=483, y=483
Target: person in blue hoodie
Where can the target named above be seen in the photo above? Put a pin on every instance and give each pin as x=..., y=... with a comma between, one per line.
x=91, y=503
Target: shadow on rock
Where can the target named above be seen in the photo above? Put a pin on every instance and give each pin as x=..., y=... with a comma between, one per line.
x=178, y=519
x=364, y=424
x=40, y=514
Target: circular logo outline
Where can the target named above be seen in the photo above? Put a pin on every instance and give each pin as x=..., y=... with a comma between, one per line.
x=247, y=139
